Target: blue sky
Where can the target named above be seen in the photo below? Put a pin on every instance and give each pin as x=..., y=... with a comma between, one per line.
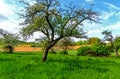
x=109, y=10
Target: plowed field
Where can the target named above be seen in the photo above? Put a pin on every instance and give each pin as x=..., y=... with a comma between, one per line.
x=28, y=48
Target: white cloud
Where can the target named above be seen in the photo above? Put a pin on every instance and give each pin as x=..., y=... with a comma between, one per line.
x=12, y=22
x=112, y=6
x=117, y=14
x=92, y=29
x=94, y=32
x=89, y=0
x=5, y=9
x=9, y=10
x=106, y=15
x=95, y=29
x=114, y=27
x=9, y=26
x=2, y=17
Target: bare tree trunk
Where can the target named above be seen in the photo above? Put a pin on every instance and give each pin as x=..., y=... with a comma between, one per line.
x=117, y=54
x=10, y=49
x=50, y=45
x=44, y=58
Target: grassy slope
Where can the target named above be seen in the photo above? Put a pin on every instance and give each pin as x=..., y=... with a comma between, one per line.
x=29, y=66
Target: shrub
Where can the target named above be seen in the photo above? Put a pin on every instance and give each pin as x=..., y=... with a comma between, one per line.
x=8, y=48
x=52, y=51
x=94, y=50
x=33, y=45
x=63, y=52
x=84, y=50
x=100, y=50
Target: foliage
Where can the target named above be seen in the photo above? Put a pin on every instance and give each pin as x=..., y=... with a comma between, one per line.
x=33, y=44
x=81, y=42
x=84, y=50
x=63, y=52
x=65, y=43
x=100, y=50
x=52, y=51
x=9, y=40
x=27, y=65
x=108, y=35
x=42, y=42
x=55, y=22
x=116, y=43
x=94, y=50
x=94, y=40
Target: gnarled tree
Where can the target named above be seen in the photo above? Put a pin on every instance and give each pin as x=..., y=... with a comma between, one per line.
x=55, y=21
x=8, y=40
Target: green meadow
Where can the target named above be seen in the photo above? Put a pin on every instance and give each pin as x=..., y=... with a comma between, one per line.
x=28, y=65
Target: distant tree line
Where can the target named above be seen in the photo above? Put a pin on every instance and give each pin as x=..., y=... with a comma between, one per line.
x=102, y=47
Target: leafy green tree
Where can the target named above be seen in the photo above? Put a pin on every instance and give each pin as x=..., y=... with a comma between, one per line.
x=117, y=45
x=65, y=43
x=108, y=37
x=8, y=40
x=55, y=21
x=94, y=40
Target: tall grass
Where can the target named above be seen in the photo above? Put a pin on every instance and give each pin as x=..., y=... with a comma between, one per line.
x=58, y=66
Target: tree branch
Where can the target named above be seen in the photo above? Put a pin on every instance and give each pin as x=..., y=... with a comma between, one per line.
x=51, y=27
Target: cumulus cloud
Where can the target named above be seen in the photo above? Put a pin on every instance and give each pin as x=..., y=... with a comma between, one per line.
x=5, y=9
x=2, y=17
x=9, y=26
x=8, y=18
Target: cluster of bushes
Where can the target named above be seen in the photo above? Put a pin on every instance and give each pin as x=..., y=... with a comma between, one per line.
x=94, y=50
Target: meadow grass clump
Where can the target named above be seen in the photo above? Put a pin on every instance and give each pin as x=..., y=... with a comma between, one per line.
x=28, y=65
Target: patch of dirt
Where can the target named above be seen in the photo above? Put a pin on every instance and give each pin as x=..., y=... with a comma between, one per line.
x=70, y=47
x=26, y=48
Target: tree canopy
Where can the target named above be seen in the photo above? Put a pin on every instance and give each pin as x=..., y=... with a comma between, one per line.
x=8, y=40
x=55, y=21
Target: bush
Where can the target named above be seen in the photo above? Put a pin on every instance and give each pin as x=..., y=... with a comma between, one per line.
x=94, y=50
x=100, y=50
x=34, y=45
x=84, y=50
x=8, y=48
x=52, y=51
x=63, y=52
